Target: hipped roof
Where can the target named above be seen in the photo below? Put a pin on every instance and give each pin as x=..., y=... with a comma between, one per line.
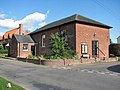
x=77, y=18
x=23, y=38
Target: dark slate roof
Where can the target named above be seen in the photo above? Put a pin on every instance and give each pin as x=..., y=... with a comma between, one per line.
x=118, y=37
x=24, y=38
x=72, y=18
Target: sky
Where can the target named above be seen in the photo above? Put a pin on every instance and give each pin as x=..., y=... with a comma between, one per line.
x=37, y=13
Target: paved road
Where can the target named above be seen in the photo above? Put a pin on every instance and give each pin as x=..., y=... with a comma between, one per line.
x=100, y=76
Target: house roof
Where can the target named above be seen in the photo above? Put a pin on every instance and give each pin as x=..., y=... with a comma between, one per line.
x=0, y=38
x=23, y=38
x=76, y=17
x=118, y=37
x=11, y=32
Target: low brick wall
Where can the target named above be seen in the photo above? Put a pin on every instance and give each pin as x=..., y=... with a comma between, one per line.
x=35, y=61
x=50, y=62
x=60, y=63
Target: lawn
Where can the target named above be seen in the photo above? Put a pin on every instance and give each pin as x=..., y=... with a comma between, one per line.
x=3, y=85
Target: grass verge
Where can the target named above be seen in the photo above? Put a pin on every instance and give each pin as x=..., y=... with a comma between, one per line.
x=3, y=85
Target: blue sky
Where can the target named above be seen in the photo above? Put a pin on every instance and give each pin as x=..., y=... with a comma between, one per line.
x=36, y=13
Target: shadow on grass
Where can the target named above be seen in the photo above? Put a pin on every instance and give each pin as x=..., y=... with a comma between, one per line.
x=115, y=68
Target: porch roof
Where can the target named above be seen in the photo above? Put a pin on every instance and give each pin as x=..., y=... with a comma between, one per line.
x=23, y=38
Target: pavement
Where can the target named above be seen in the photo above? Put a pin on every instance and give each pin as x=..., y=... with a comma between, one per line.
x=98, y=76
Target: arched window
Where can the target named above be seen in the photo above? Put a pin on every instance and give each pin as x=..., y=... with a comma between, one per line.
x=43, y=40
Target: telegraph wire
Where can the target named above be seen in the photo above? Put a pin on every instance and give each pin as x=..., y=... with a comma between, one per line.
x=110, y=12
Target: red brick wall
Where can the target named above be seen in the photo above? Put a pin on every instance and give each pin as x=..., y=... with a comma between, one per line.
x=77, y=33
x=70, y=28
x=24, y=53
x=16, y=49
x=85, y=34
x=12, y=51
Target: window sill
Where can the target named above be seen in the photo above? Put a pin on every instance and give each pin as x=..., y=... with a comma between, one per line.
x=25, y=50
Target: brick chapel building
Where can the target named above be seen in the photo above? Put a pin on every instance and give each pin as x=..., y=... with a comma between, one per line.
x=89, y=38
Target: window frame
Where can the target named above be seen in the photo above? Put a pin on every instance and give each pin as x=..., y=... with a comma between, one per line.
x=43, y=40
x=63, y=33
x=26, y=45
x=84, y=48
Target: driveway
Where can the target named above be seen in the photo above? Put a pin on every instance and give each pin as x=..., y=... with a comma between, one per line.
x=99, y=76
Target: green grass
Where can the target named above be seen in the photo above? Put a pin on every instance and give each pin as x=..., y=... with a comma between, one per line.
x=3, y=52
x=3, y=85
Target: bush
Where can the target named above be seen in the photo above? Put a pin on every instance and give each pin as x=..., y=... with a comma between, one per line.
x=59, y=47
x=32, y=56
x=114, y=49
x=118, y=58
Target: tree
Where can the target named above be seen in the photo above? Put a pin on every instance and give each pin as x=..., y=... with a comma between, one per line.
x=59, y=47
x=111, y=41
x=1, y=45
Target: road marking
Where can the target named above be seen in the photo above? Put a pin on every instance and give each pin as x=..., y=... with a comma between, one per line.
x=90, y=71
x=99, y=72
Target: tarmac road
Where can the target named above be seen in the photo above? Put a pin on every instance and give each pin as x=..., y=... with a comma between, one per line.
x=99, y=76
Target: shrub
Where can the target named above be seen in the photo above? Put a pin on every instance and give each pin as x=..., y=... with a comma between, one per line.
x=59, y=47
x=114, y=49
x=118, y=58
x=32, y=56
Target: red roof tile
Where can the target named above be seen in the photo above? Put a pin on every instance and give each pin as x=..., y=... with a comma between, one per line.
x=11, y=32
x=0, y=38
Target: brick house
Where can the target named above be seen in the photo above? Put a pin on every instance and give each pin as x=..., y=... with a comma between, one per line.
x=87, y=37
x=20, y=45
x=8, y=35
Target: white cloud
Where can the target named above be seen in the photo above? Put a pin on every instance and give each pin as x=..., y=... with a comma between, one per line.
x=30, y=21
x=2, y=15
x=1, y=33
x=42, y=24
x=8, y=23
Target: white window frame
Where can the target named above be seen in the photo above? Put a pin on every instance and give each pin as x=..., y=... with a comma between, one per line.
x=84, y=48
x=43, y=40
x=24, y=47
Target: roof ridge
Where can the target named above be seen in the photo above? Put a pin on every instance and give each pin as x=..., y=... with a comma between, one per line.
x=12, y=29
x=72, y=18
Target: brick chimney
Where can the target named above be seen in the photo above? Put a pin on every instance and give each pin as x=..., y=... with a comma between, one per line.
x=20, y=29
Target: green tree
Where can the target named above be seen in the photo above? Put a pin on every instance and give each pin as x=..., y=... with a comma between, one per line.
x=111, y=41
x=59, y=47
x=1, y=46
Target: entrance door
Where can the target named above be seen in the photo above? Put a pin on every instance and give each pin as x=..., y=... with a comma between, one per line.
x=95, y=48
x=33, y=50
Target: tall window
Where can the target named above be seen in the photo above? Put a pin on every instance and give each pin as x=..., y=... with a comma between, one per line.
x=43, y=40
x=25, y=47
x=84, y=48
x=63, y=33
